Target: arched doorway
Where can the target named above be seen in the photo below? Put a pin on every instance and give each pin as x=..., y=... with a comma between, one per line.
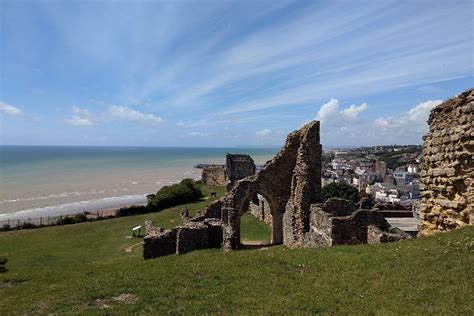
x=259, y=207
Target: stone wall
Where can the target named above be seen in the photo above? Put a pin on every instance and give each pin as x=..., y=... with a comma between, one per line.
x=339, y=222
x=214, y=175
x=260, y=208
x=187, y=237
x=448, y=166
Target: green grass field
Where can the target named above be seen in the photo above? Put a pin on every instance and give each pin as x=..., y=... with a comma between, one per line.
x=83, y=268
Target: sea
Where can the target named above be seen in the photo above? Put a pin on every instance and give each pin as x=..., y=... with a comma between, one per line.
x=40, y=181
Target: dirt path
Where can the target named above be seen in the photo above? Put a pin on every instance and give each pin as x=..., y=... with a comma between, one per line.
x=130, y=248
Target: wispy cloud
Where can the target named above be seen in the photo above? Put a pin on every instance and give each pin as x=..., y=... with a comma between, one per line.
x=199, y=134
x=9, y=109
x=84, y=117
x=79, y=121
x=264, y=132
x=115, y=112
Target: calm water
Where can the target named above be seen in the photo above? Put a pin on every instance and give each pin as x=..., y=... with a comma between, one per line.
x=52, y=180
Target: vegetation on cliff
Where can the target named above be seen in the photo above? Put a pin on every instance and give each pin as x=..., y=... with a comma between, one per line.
x=188, y=190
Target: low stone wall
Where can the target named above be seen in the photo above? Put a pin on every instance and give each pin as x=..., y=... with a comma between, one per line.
x=447, y=173
x=192, y=237
x=214, y=175
x=184, y=238
x=160, y=245
x=337, y=222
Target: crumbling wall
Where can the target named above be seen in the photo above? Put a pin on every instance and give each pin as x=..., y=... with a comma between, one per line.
x=260, y=208
x=187, y=237
x=162, y=244
x=238, y=166
x=338, y=222
x=448, y=166
x=214, y=175
x=305, y=185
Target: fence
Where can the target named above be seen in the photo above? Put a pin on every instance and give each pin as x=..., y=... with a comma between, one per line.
x=31, y=222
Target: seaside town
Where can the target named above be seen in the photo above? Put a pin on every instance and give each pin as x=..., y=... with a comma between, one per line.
x=387, y=174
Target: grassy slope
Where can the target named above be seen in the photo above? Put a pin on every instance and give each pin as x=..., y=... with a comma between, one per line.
x=80, y=268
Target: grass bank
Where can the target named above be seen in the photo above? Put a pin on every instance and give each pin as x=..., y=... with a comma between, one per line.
x=83, y=268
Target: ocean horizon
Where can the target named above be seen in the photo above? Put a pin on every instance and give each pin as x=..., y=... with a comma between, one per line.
x=51, y=180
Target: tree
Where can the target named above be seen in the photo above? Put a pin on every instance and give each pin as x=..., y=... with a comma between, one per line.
x=340, y=190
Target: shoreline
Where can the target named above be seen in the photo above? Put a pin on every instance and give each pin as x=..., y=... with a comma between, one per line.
x=33, y=216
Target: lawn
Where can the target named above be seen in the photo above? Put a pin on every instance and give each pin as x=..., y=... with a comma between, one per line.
x=83, y=268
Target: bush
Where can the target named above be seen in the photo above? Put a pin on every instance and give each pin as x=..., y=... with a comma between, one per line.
x=340, y=190
x=3, y=261
x=132, y=210
x=27, y=225
x=78, y=218
x=186, y=191
x=6, y=227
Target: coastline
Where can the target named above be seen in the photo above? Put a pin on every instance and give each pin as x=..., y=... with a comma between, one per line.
x=37, y=182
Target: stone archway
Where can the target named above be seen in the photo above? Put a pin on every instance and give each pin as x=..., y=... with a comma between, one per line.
x=290, y=183
x=276, y=215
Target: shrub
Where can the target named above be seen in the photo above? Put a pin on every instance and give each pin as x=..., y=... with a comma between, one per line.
x=340, y=190
x=3, y=262
x=132, y=210
x=27, y=225
x=6, y=227
x=186, y=191
x=78, y=218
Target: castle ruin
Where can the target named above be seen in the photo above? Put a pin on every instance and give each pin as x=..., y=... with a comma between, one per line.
x=291, y=184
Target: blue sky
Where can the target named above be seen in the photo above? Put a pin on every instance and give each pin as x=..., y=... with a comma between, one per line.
x=228, y=73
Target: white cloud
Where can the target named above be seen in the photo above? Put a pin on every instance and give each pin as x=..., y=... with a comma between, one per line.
x=79, y=121
x=79, y=111
x=199, y=134
x=9, y=109
x=81, y=117
x=264, y=132
x=126, y=113
x=191, y=124
x=330, y=115
x=413, y=120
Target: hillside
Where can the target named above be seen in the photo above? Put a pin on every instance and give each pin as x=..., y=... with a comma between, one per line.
x=84, y=268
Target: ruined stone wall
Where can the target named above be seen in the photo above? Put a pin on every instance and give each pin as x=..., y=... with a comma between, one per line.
x=260, y=208
x=214, y=175
x=448, y=166
x=184, y=238
x=238, y=166
x=305, y=186
x=339, y=222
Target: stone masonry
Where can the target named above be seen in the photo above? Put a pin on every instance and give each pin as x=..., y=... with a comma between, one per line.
x=447, y=173
x=214, y=175
x=238, y=166
x=338, y=222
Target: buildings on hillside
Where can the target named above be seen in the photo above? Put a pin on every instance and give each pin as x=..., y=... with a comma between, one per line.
x=364, y=169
